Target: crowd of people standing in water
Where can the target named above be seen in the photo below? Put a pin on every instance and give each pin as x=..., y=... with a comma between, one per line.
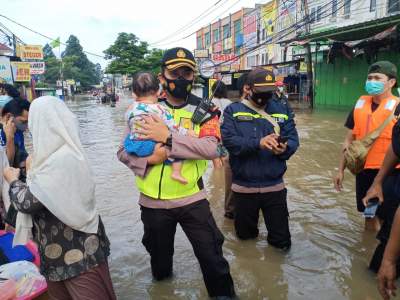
x=170, y=136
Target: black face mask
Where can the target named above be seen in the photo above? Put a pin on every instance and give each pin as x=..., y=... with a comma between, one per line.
x=179, y=88
x=261, y=99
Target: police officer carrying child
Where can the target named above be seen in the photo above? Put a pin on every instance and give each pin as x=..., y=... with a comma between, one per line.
x=165, y=202
x=260, y=135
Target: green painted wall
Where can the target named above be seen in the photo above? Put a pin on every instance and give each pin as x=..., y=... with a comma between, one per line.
x=340, y=84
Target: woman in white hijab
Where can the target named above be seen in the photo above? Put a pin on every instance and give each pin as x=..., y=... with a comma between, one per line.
x=59, y=200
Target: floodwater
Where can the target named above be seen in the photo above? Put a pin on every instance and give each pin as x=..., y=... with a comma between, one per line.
x=330, y=251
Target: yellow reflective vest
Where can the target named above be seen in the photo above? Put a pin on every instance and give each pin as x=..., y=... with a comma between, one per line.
x=158, y=183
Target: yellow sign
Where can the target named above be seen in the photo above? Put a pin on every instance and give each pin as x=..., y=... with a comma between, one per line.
x=211, y=82
x=21, y=71
x=70, y=81
x=269, y=12
x=30, y=51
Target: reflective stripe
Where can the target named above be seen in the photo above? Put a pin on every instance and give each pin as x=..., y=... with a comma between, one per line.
x=281, y=116
x=247, y=114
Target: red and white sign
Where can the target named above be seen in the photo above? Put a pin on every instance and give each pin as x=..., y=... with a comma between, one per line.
x=224, y=57
x=37, y=68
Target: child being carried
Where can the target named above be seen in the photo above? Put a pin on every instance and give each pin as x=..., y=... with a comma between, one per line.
x=146, y=89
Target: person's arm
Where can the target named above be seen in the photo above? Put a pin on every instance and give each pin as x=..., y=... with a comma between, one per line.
x=389, y=163
x=387, y=271
x=289, y=130
x=140, y=165
x=22, y=198
x=236, y=144
x=183, y=146
x=9, y=131
x=338, y=180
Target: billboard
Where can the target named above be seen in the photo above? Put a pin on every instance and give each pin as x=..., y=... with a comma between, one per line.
x=250, y=30
x=5, y=70
x=37, y=67
x=269, y=13
x=30, y=51
x=21, y=71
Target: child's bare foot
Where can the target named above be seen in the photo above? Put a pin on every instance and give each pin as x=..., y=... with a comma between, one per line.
x=178, y=177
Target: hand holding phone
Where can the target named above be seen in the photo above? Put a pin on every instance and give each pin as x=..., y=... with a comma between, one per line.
x=370, y=210
x=282, y=139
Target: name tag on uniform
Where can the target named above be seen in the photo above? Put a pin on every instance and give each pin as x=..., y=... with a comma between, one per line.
x=390, y=105
x=245, y=118
x=360, y=104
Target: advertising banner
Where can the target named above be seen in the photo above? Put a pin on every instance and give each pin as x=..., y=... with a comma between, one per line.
x=30, y=51
x=5, y=70
x=37, y=68
x=21, y=71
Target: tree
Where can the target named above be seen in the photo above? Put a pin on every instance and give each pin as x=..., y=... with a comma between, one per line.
x=152, y=61
x=48, y=52
x=127, y=54
x=76, y=64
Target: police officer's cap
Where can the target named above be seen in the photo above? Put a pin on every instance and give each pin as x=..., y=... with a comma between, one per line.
x=178, y=57
x=261, y=80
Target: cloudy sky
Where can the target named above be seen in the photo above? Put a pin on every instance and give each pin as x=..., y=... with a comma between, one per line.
x=97, y=22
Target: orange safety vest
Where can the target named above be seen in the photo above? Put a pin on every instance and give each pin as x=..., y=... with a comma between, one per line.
x=366, y=121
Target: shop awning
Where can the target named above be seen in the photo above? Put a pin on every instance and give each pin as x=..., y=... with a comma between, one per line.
x=353, y=32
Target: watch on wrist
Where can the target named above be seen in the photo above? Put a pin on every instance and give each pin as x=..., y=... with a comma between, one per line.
x=168, y=142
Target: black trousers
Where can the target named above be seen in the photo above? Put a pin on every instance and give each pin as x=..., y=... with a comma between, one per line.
x=387, y=213
x=199, y=226
x=274, y=208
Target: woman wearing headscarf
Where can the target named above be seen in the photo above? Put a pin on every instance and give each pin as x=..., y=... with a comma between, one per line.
x=59, y=200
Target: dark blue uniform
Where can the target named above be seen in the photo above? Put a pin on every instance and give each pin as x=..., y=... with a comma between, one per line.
x=252, y=167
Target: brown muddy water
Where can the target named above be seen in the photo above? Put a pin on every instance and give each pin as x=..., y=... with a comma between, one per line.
x=330, y=251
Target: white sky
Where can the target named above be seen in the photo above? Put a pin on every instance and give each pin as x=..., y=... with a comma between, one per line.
x=97, y=22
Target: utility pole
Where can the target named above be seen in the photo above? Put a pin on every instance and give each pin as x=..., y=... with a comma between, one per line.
x=310, y=76
x=14, y=41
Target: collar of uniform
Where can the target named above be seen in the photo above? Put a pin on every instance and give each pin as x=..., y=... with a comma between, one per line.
x=191, y=99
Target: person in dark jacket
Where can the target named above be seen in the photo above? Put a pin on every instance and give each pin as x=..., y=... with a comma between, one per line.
x=260, y=135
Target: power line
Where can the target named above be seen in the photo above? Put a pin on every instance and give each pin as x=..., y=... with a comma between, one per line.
x=307, y=19
x=189, y=35
x=191, y=23
x=45, y=36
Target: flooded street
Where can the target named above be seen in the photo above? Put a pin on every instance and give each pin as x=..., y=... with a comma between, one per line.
x=330, y=250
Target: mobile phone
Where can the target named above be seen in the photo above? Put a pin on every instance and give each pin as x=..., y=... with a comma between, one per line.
x=282, y=139
x=370, y=210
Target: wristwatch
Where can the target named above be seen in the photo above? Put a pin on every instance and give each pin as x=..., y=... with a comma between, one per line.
x=168, y=142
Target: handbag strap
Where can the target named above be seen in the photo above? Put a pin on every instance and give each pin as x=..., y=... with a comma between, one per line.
x=377, y=132
x=261, y=112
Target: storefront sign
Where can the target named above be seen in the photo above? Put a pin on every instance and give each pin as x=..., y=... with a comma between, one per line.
x=201, y=53
x=5, y=70
x=37, y=68
x=223, y=57
x=21, y=71
x=30, y=51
